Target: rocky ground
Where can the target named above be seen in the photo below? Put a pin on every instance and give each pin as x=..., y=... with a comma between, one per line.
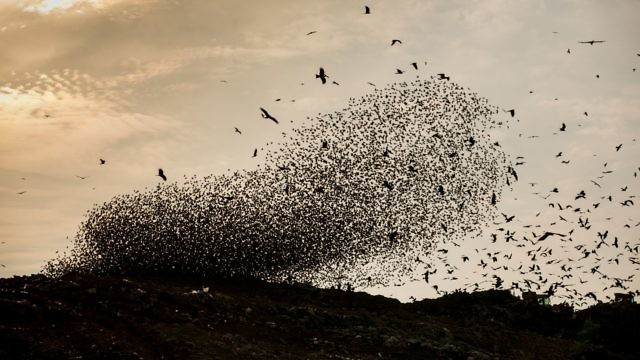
x=87, y=317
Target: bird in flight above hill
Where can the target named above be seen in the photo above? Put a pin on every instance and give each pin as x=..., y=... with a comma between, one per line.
x=322, y=76
x=591, y=42
x=266, y=115
x=395, y=41
x=161, y=174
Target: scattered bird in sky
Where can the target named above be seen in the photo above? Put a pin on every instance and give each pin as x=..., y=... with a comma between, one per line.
x=255, y=152
x=238, y=131
x=415, y=65
x=311, y=32
x=618, y=147
x=335, y=82
x=568, y=51
x=591, y=42
x=22, y=192
x=103, y=161
x=322, y=76
x=161, y=174
x=563, y=127
x=367, y=10
x=81, y=177
x=398, y=71
x=266, y=115
x=395, y=41
x=512, y=112
x=442, y=76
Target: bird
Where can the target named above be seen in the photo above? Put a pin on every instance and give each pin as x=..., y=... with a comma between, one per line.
x=21, y=192
x=322, y=76
x=103, y=161
x=238, y=131
x=591, y=42
x=493, y=199
x=442, y=76
x=618, y=147
x=311, y=32
x=415, y=65
x=266, y=115
x=367, y=10
x=512, y=112
x=508, y=218
x=398, y=71
x=563, y=127
x=568, y=51
x=81, y=177
x=161, y=174
x=255, y=152
x=395, y=41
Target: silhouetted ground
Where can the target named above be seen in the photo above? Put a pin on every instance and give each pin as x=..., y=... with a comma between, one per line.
x=86, y=317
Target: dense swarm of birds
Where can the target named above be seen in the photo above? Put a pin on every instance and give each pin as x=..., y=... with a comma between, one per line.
x=353, y=196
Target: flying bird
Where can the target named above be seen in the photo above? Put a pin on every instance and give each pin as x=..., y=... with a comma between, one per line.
x=367, y=10
x=255, y=152
x=161, y=174
x=398, y=71
x=591, y=42
x=618, y=147
x=395, y=41
x=266, y=115
x=322, y=76
x=81, y=177
x=415, y=65
x=21, y=192
x=311, y=32
x=238, y=131
x=103, y=161
x=563, y=127
x=512, y=112
x=442, y=76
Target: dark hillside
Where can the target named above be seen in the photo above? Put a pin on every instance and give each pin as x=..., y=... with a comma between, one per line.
x=87, y=317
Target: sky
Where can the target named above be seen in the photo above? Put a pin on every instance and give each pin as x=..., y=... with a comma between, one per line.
x=146, y=84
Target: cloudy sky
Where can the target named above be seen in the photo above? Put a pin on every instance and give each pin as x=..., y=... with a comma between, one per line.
x=145, y=84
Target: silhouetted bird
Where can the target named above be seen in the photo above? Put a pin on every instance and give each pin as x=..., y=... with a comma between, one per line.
x=563, y=127
x=442, y=76
x=255, y=152
x=266, y=115
x=161, y=174
x=415, y=65
x=367, y=10
x=21, y=192
x=398, y=71
x=512, y=112
x=395, y=41
x=238, y=131
x=591, y=42
x=322, y=76
x=618, y=147
x=311, y=32
x=103, y=161
x=81, y=177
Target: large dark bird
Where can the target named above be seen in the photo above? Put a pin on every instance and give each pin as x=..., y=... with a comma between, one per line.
x=161, y=174
x=266, y=115
x=322, y=76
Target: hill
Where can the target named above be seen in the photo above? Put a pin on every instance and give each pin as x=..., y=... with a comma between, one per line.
x=88, y=317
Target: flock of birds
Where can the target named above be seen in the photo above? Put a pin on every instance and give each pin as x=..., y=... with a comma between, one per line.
x=369, y=195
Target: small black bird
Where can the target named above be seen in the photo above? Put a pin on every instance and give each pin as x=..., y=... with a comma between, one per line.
x=395, y=41
x=322, y=76
x=266, y=115
x=311, y=32
x=415, y=65
x=398, y=71
x=161, y=174
x=103, y=161
x=591, y=42
x=255, y=152
x=618, y=147
x=238, y=131
x=81, y=177
x=367, y=10
x=442, y=76
x=512, y=112
x=563, y=127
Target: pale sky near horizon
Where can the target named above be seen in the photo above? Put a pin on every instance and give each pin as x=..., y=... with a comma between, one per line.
x=150, y=83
